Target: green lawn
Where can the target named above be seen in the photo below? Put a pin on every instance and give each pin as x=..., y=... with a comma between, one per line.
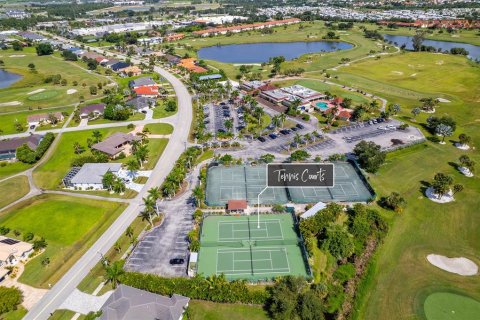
x=69, y=225
x=17, y=62
x=205, y=310
x=11, y=168
x=15, y=315
x=205, y=156
x=159, y=128
x=13, y=189
x=7, y=121
x=50, y=174
x=156, y=147
x=401, y=278
x=160, y=112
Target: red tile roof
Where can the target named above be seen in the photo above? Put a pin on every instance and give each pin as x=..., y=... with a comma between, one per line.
x=237, y=204
x=246, y=26
x=146, y=90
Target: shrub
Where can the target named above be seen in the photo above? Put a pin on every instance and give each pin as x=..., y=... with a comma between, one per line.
x=214, y=288
x=393, y=202
x=39, y=244
x=28, y=236
x=344, y=273
x=10, y=298
x=4, y=230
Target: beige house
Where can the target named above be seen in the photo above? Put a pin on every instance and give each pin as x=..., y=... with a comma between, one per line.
x=12, y=251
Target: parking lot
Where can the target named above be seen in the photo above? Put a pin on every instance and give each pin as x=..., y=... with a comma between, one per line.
x=216, y=115
x=168, y=241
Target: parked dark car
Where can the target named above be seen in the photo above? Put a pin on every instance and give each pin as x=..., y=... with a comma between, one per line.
x=299, y=126
x=262, y=139
x=293, y=129
x=273, y=136
x=177, y=261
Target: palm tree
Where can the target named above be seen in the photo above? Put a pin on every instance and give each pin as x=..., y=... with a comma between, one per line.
x=113, y=273
x=77, y=147
x=283, y=117
x=135, y=144
x=155, y=194
x=142, y=154
x=258, y=113
x=108, y=180
x=197, y=193
x=97, y=135
x=119, y=186
x=132, y=167
x=129, y=232
x=228, y=124
x=117, y=247
x=149, y=209
x=276, y=121
x=297, y=139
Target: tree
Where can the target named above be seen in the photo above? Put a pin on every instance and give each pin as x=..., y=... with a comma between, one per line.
x=155, y=193
x=457, y=188
x=44, y=49
x=132, y=167
x=10, y=298
x=93, y=90
x=417, y=40
x=444, y=131
x=464, y=139
x=129, y=232
x=310, y=306
x=370, y=156
x=69, y=55
x=415, y=111
x=198, y=195
x=113, y=272
x=117, y=247
x=276, y=122
x=171, y=106
x=119, y=186
x=284, y=297
x=149, y=209
x=77, y=147
x=394, y=202
x=39, y=244
x=468, y=163
x=31, y=66
x=299, y=155
x=429, y=104
x=267, y=158
x=338, y=242
x=97, y=135
x=228, y=124
x=441, y=184
x=394, y=109
x=108, y=180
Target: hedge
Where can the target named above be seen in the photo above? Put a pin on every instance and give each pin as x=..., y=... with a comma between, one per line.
x=27, y=155
x=214, y=288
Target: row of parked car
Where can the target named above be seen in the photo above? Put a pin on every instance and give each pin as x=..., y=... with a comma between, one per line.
x=284, y=132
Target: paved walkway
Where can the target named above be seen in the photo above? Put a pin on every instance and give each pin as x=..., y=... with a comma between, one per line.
x=84, y=303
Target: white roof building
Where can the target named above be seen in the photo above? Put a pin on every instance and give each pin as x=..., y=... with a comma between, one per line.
x=313, y=210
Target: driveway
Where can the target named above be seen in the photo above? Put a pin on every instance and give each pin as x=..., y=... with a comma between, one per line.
x=84, y=303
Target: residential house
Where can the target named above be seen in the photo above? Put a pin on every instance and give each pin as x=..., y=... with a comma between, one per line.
x=142, y=82
x=90, y=175
x=34, y=37
x=12, y=251
x=172, y=60
x=191, y=65
x=128, y=303
x=119, y=65
x=141, y=103
x=110, y=62
x=245, y=27
x=36, y=119
x=146, y=91
x=173, y=37
x=210, y=77
x=149, y=41
x=92, y=111
x=8, y=148
x=131, y=71
x=115, y=144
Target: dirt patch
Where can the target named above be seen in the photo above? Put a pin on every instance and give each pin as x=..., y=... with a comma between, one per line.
x=71, y=91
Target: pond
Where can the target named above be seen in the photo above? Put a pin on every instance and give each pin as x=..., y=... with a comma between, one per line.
x=474, y=51
x=8, y=78
x=263, y=51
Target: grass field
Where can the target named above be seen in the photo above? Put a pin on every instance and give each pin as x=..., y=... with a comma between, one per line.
x=50, y=174
x=160, y=112
x=159, y=128
x=68, y=224
x=401, y=277
x=13, y=189
x=450, y=306
x=7, y=121
x=205, y=310
x=17, y=62
x=12, y=168
x=156, y=147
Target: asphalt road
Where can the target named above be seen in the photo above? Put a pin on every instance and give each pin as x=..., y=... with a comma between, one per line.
x=178, y=140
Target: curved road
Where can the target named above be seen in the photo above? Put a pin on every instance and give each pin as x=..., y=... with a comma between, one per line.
x=178, y=140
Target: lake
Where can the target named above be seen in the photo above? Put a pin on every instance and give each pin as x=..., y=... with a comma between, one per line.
x=263, y=51
x=474, y=51
x=8, y=78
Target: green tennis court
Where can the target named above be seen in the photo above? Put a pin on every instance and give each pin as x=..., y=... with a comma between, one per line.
x=243, y=247
x=246, y=182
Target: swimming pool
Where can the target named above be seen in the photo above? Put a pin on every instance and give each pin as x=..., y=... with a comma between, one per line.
x=322, y=106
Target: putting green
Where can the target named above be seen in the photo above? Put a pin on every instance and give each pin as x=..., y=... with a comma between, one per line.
x=48, y=94
x=450, y=306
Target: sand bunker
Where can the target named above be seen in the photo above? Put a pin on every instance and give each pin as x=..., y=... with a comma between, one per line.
x=466, y=172
x=11, y=103
x=35, y=91
x=17, y=55
x=413, y=75
x=462, y=146
x=443, y=100
x=435, y=198
x=400, y=73
x=71, y=91
x=461, y=266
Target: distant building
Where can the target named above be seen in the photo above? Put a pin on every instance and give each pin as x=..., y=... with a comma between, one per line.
x=146, y=91
x=128, y=303
x=210, y=77
x=171, y=59
x=140, y=103
x=8, y=148
x=245, y=27
x=115, y=144
x=17, y=14
x=12, y=251
x=90, y=175
x=173, y=37
x=191, y=65
x=32, y=36
x=119, y=65
x=151, y=40
x=131, y=71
